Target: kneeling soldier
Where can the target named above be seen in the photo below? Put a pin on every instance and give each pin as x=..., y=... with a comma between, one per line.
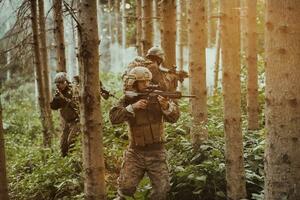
x=146, y=152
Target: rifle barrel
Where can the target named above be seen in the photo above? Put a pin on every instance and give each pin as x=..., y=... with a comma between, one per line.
x=188, y=96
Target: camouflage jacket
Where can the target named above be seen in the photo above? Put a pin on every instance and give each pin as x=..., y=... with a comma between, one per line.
x=166, y=80
x=145, y=125
x=68, y=104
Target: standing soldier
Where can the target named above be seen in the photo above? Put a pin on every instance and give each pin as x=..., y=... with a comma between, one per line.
x=166, y=77
x=160, y=76
x=67, y=100
x=146, y=151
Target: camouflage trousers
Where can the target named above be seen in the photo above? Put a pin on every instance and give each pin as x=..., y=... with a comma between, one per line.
x=69, y=136
x=138, y=162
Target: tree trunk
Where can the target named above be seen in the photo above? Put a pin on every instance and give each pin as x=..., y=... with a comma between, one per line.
x=8, y=75
x=243, y=14
x=156, y=23
x=217, y=61
x=8, y=60
x=59, y=35
x=181, y=14
x=251, y=61
x=75, y=68
x=91, y=118
x=117, y=21
x=124, y=41
x=209, y=23
x=197, y=69
x=168, y=31
x=230, y=33
x=45, y=70
x=3, y=177
x=39, y=75
x=110, y=22
x=282, y=159
x=147, y=26
x=139, y=27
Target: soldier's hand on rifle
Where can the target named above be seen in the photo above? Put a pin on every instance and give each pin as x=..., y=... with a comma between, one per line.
x=141, y=104
x=164, y=102
x=58, y=94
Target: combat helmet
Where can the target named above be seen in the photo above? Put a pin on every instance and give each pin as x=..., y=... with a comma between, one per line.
x=139, y=73
x=60, y=77
x=156, y=51
x=138, y=61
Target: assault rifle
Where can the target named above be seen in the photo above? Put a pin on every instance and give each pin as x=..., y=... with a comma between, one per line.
x=151, y=95
x=105, y=93
x=180, y=74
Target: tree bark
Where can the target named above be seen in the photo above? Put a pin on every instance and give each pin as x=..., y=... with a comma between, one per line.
x=243, y=22
x=59, y=36
x=139, y=27
x=117, y=21
x=197, y=69
x=168, y=31
x=3, y=177
x=8, y=60
x=110, y=22
x=91, y=118
x=147, y=26
x=124, y=41
x=75, y=68
x=156, y=23
x=282, y=159
x=209, y=23
x=181, y=21
x=217, y=61
x=251, y=62
x=45, y=70
x=230, y=37
x=39, y=75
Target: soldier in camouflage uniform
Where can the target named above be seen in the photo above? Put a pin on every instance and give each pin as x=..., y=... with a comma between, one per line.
x=146, y=152
x=164, y=77
x=66, y=99
x=138, y=61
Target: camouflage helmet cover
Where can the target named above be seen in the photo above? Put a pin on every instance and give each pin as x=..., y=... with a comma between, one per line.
x=139, y=59
x=60, y=77
x=138, y=74
x=156, y=51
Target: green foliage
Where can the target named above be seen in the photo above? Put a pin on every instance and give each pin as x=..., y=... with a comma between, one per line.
x=201, y=172
x=36, y=173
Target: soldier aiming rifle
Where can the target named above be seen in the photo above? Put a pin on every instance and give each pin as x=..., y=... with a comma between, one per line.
x=146, y=151
x=166, y=78
x=67, y=101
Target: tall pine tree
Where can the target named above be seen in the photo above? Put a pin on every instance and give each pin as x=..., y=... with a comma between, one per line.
x=282, y=152
x=91, y=118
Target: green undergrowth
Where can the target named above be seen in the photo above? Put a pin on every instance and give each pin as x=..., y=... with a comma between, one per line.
x=36, y=173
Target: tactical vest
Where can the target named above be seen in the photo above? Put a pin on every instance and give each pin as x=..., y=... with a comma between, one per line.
x=147, y=126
